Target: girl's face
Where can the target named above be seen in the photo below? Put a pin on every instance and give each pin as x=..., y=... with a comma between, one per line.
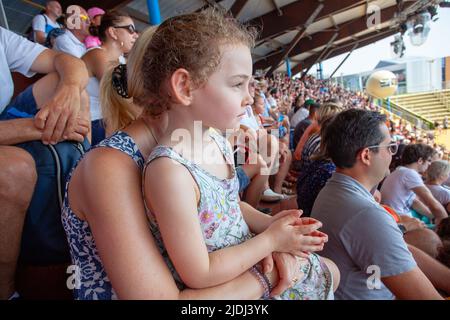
x=221, y=102
x=126, y=34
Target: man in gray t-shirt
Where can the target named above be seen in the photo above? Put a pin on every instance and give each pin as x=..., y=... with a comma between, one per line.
x=364, y=241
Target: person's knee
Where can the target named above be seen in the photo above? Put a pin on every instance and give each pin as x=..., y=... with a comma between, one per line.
x=262, y=166
x=255, y=167
x=334, y=270
x=17, y=174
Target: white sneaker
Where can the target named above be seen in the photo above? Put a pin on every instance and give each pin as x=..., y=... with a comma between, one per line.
x=15, y=296
x=271, y=196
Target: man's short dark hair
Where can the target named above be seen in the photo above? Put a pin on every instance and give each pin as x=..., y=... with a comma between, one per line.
x=415, y=152
x=313, y=107
x=350, y=132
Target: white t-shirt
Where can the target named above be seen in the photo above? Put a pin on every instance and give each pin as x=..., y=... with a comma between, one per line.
x=68, y=43
x=249, y=119
x=272, y=102
x=396, y=191
x=17, y=54
x=299, y=116
x=39, y=24
x=440, y=193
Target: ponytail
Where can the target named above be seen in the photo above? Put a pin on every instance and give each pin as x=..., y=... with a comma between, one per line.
x=122, y=87
x=118, y=112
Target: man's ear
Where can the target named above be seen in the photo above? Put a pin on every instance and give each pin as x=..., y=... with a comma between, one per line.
x=365, y=156
x=180, y=87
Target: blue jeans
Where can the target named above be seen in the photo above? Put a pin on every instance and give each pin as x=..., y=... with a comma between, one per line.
x=23, y=106
x=244, y=180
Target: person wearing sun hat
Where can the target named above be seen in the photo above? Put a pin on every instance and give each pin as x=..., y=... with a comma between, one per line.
x=95, y=15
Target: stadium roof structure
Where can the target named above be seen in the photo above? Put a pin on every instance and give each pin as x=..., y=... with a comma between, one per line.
x=305, y=31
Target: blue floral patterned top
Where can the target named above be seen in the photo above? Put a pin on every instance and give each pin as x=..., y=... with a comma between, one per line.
x=93, y=282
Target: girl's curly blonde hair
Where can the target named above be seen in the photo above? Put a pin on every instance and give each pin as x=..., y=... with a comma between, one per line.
x=193, y=42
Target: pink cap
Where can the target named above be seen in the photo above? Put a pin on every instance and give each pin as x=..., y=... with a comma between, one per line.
x=93, y=12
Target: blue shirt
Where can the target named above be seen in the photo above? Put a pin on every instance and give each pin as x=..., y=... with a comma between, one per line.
x=362, y=238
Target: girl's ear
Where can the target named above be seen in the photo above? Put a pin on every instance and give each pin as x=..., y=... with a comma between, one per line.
x=180, y=87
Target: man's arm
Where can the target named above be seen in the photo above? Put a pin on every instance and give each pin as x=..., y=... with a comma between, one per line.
x=23, y=130
x=421, y=208
x=18, y=131
x=39, y=37
x=58, y=117
x=427, y=198
x=411, y=285
x=38, y=26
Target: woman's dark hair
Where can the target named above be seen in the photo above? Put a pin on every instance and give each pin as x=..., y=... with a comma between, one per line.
x=351, y=131
x=110, y=19
x=397, y=158
x=296, y=106
x=415, y=152
x=443, y=229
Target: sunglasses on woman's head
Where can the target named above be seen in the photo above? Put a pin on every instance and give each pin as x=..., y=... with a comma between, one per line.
x=130, y=28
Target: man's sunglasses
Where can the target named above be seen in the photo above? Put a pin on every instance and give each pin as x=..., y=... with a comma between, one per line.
x=392, y=147
x=84, y=17
x=130, y=28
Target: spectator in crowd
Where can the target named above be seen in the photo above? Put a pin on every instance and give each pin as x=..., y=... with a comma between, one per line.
x=252, y=169
x=119, y=224
x=59, y=100
x=363, y=238
x=118, y=34
x=301, y=113
x=438, y=172
x=270, y=147
x=404, y=190
x=313, y=129
x=95, y=15
x=298, y=103
x=47, y=21
x=314, y=176
x=77, y=29
x=312, y=143
x=303, y=125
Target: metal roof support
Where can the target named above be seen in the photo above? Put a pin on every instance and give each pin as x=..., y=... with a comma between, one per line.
x=297, y=38
x=154, y=14
x=294, y=14
x=105, y=4
x=3, y=19
x=322, y=54
x=237, y=7
x=275, y=4
x=345, y=47
x=288, y=68
x=345, y=59
x=319, y=39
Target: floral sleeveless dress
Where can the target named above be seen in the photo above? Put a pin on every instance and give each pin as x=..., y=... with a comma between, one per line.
x=93, y=281
x=223, y=224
